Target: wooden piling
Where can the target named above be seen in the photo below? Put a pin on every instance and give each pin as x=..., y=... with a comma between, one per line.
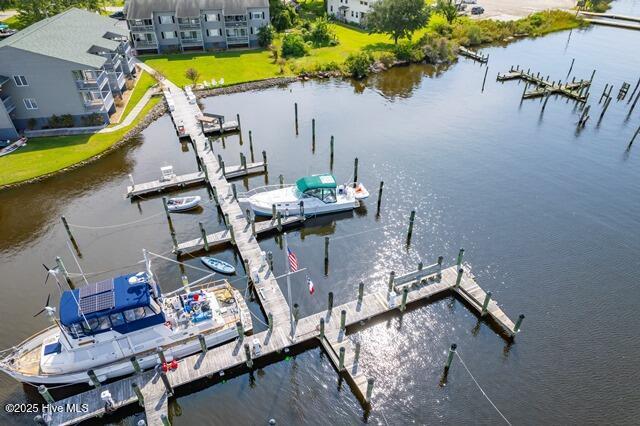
x=321, y=336
x=330, y=301
x=403, y=304
x=313, y=133
x=264, y=160
x=326, y=250
x=160, y=353
x=165, y=380
x=66, y=227
x=135, y=364
x=392, y=277
x=459, y=277
x=238, y=120
x=485, y=77
x=270, y=260
x=634, y=91
x=370, y=382
x=592, y=75
x=44, y=392
x=516, y=327
x=412, y=218
x=341, y=358
x=203, y=233
x=604, y=109
x=571, y=67
x=355, y=171
x=485, y=304
x=138, y=392
x=459, y=259
x=452, y=352
x=247, y=353
x=203, y=343
x=360, y=291
x=379, y=197
x=296, y=114
x=270, y=321
x=634, y=137
x=343, y=319
x=281, y=180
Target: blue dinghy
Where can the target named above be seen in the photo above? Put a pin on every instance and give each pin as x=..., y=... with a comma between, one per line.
x=218, y=265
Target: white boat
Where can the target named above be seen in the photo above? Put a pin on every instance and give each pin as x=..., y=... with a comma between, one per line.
x=12, y=147
x=182, y=204
x=103, y=325
x=309, y=196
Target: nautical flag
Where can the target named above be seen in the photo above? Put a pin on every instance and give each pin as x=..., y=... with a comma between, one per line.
x=293, y=260
x=310, y=283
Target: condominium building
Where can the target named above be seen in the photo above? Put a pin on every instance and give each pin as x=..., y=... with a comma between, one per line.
x=352, y=11
x=73, y=63
x=179, y=25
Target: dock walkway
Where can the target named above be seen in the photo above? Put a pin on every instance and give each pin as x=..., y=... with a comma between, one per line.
x=544, y=87
x=218, y=360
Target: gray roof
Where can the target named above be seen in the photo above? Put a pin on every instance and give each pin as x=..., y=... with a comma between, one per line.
x=69, y=36
x=143, y=9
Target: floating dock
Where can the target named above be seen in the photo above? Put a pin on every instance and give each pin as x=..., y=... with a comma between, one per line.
x=476, y=56
x=152, y=389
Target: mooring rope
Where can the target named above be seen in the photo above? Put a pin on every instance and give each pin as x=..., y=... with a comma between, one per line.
x=482, y=390
x=117, y=225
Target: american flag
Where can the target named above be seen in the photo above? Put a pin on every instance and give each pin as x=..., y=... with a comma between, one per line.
x=293, y=260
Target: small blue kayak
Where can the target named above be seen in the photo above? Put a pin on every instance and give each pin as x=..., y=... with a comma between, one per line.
x=218, y=265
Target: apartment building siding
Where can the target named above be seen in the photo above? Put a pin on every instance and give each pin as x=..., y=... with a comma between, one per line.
x=207, y=24
x=50, y=71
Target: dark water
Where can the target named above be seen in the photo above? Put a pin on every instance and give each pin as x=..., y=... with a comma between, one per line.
x=548, y=216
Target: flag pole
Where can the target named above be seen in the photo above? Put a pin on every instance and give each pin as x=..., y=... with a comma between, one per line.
x=288, y=269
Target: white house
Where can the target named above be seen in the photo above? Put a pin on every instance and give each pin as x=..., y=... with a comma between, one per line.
x=352, y=11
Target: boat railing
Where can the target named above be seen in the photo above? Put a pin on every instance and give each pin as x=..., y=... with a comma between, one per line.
x=205, y=285
x=261, y=189
x=8, y=354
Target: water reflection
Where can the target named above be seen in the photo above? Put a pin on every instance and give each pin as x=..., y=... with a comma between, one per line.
x=401, y=83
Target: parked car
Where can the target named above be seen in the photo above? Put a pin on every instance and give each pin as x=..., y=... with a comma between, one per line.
x=469, y=1
x=119, y=15
x=5, y=31
x=477, y=10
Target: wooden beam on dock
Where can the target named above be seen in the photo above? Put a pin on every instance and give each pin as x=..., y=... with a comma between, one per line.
x=159, y=186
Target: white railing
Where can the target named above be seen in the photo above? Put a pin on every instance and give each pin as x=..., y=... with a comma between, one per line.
x=262, y=189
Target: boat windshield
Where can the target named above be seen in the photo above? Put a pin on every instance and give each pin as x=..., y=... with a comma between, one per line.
x=327, y=195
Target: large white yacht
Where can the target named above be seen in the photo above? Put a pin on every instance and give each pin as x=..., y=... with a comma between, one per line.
x=103, y=325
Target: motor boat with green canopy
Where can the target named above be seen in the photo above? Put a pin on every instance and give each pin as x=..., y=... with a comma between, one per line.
x=309, y=196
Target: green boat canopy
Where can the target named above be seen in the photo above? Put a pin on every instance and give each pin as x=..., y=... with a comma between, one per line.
x=315, y=182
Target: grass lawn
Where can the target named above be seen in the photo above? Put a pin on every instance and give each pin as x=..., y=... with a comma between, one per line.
x=250, y=65
x=145, y=82
x=46, y=155
x=12, y=22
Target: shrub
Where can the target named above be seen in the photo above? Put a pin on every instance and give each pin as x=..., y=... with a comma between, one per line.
x=438, y=24
x=321, y=34
x=93, y=119
x=407, y=51
x=62, y=121
x=266, y=33
x=129, y=84
x=118, y=101
x=294, y=45
x=387, y=59
x=192, y=75
x=32, y=123
x=358, y=64
x=437, y=50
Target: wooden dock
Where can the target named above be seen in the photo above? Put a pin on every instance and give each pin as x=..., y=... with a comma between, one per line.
x=333, y=335
x=476, y=56
x=543, y=87
x=329, y=328
x=219, y=238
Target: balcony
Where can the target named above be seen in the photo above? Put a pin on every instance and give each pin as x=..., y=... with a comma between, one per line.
x=103, y=103
x=92, y=81
x=238, y=39
x=191, y=41
x=113, y=63
x=141, y=28
x=235, y=24
x=145, y=44
x=190, y=25
x=108, y=100
x=117, y=79
x=9, y=105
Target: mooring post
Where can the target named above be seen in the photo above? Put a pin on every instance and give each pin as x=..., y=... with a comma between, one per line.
x=270, y=321
x=370, y=381
x=165, y=420
x=634, y=102
x=343, y=319
x=279, y=218
x=379, y=197
x=295, y=107
x=326, y=250
x=355, y=171
x=516, y=327
x=264, y=160
x=321, y=335
x=281, y=180
x=604, y=109
x=459, y=277
x=270, y=259
x=633, y=138
x=273, y=212
x=253, y=227
x=240, y=330
x=460, y=254
x=341, y=358
x=203, y=343
x=412, y=218
x=160, y=353
x=403, y=304
x=42, y=390
x=165, y=380
x=301, y=208
x=452, y=352
x=392, y=276
x=360, y=291
x=215, y=195
x=485, y=304
x=485, y=77
x=232, y=234
x=571, y=67
x=223, y=168
x=135, y=364
x=210, y=145
x=205, y=170
x=66, y=227
x=356, y=353
x=64, y=271
x=604, y=93
x=330, y=302
x=313, y=130
x=238, y=120
x=234, y=191
x=296, y=312
x=420, y=265
x=247, y=353
x=203, y=233
x=526, y=86
x=592, y=75
x=138, y=392
x=331, y=148
x=440, y=260
x=634, y=91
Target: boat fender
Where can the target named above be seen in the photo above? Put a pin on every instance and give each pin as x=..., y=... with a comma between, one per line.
x=168, y=325
x=165, y=367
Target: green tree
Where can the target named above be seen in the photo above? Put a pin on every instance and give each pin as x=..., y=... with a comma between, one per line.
x=266, y=33
x=32, y=11
x=448, y=9
x=193, y=75
x=398, y=18
x=7, y=4
x=283, y=16
x=294, y=45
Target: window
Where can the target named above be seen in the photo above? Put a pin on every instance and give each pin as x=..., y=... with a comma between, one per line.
x=331, y=8
x=20, y=80
x=352, y=13
x=165, y=19
x=30, y=103
x=168, y=35
x=103, y=323
x=215, y=32
x=134, y=314
x=211, y=17
x=116, y=319
x=257, y=15
x=329, y=195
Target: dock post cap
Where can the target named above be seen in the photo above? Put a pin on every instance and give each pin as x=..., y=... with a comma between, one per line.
x=454, y=347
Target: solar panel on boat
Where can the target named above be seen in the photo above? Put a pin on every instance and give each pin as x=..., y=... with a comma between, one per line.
x=96, y=297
